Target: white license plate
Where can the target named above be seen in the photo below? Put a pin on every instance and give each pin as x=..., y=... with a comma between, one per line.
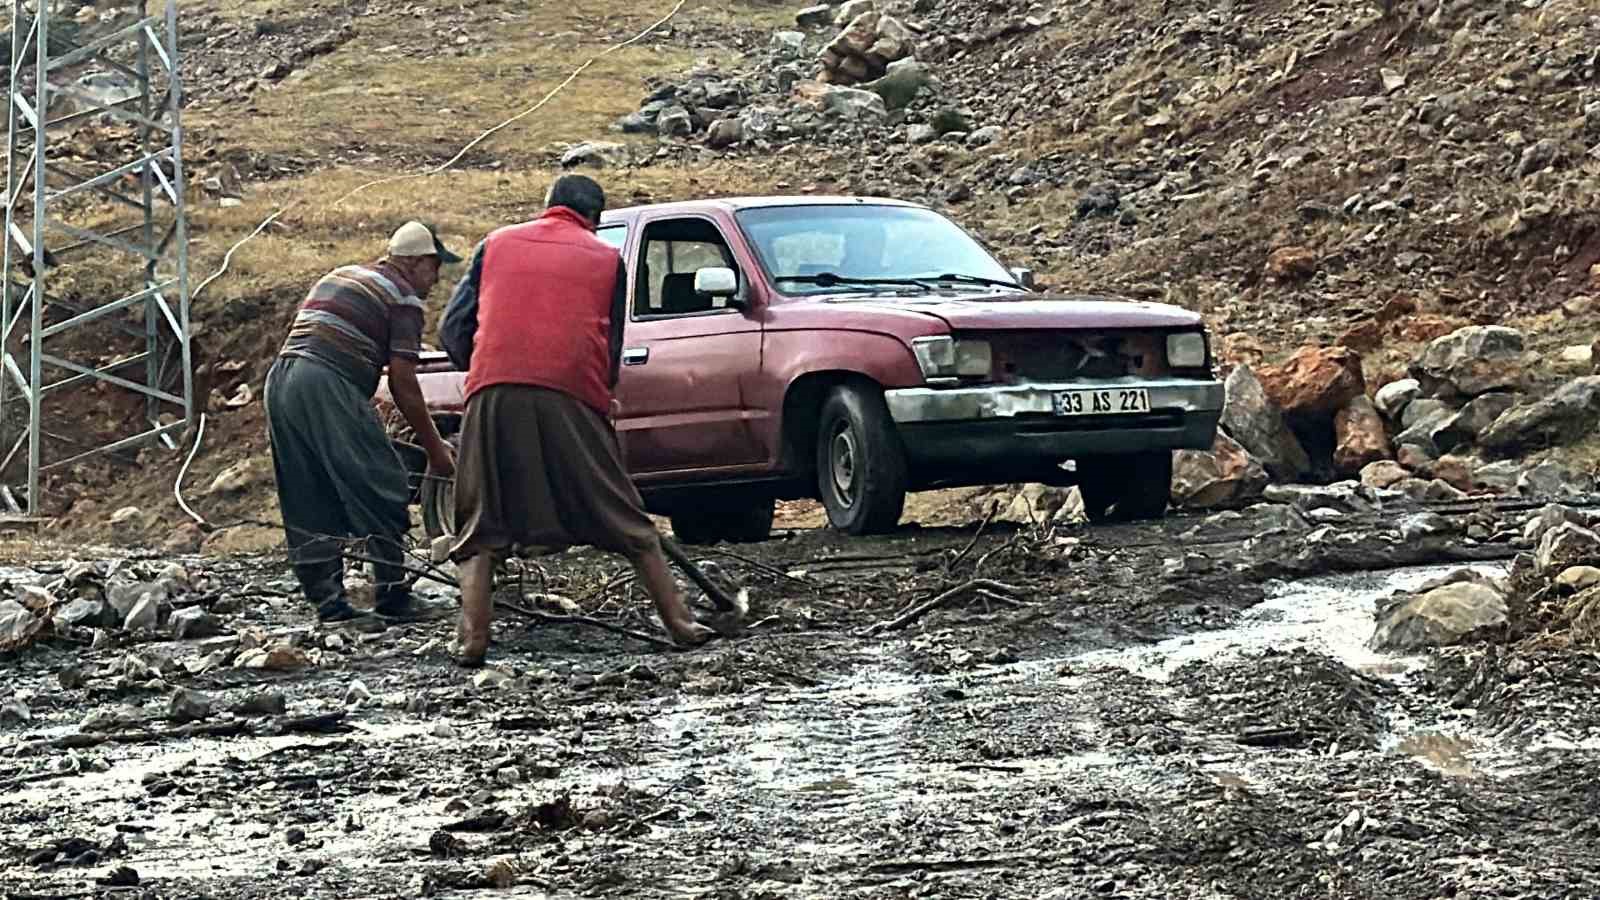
x=1113, y=402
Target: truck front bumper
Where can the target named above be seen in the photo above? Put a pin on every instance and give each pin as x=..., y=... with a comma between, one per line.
x=983, y=425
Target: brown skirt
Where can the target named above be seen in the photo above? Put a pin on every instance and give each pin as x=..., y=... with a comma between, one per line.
x=538, y=468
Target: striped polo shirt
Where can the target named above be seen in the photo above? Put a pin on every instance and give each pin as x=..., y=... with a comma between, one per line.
x=354, y=319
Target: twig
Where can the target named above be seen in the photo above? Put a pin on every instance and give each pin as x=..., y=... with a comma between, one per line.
x=922, y=609
x=548, y=619
x=759, y=566
x=1000, y=549
x=994, y=508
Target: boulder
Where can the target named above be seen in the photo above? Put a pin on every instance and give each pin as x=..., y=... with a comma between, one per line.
x=900, y=85
x=1578, y=578
x=1251, y=419
x=1548, y=519
x=1384, y=474
x=1345, y=496
x=596, y=153
x=1556, y=480
x=1292, y=264
x=1568, y=415
x=814, y=16
x=1424, y=408
x=985, y=136
x=852, y=10
x=724, y=133
x=1420, y=434
x=1463, y=428
x=1315, y=381
x=145, y=614
x=1500, y=477
x=1415, y=458
x=193, y=622
x=1471, y=361
x=851, y=104
x=1564, y=546
x=1392, y=398
x=15, y=620
x=1359, y=437
x=790, y=44
x=1455, y=470
x=1227, y=472
x=1440, y=614
x=86, y=613
x=674, y=121
x=1433, y=490
x=189, y=706
x=922, y=134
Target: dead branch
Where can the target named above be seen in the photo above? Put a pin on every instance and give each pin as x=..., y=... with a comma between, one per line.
x=994, y=509
x=759, y=566
x=548, y=619
x=917, y=612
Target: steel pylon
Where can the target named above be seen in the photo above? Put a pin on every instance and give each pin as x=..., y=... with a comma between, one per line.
x=123, y=206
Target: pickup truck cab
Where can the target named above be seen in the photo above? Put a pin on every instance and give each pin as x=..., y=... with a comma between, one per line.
x=851, y=350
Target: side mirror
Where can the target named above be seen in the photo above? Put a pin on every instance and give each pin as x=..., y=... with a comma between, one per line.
x=716, y=282
x=1023, y=277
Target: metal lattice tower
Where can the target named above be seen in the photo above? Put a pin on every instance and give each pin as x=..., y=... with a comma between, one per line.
x=126, y=207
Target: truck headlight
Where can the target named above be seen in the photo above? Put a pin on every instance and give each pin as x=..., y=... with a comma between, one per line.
x=946, y=357
x=1186, y=350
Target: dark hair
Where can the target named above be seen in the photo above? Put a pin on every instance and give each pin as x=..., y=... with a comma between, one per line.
x=580, y=193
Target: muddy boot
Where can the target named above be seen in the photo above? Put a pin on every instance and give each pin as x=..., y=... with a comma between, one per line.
x=323, y=584
x=393, y=595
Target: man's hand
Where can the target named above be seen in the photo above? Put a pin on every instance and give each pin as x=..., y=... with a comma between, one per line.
x=407, y=394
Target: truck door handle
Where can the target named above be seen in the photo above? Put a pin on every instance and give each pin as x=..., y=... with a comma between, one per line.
x=635, y=356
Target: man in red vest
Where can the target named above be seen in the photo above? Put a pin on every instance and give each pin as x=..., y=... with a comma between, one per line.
x=537, y=326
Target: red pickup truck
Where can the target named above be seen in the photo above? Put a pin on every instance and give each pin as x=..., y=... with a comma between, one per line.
x=852, y=350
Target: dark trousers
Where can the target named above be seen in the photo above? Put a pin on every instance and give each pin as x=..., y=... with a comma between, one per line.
x=338, y=477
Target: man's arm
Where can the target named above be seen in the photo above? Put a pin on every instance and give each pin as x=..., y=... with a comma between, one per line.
x=619, y=316
x=459, y=327
x=407, y=394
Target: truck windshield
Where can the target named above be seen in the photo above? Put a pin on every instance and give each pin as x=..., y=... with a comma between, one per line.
x=863, y=243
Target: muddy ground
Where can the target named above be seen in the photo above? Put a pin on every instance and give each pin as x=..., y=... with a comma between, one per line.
x=1174, y=709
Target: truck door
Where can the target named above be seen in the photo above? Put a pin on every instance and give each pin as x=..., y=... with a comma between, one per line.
x=688, y=360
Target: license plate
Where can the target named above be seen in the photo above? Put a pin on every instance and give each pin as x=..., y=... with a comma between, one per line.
x=1113, y=402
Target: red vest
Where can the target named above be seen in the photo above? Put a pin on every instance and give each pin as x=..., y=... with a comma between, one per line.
x=544, y=309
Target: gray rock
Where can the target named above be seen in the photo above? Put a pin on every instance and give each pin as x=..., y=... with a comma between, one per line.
x=1568, y=415
x=1549, y=518
x=193, y=622
x=790, y=44
x=950, y=121
x=854, y=104
x=1463, y=428
x=850, y=11
x=1471, y=361
x=814, y=16
x=596, y=153
x=1423, y=408
x=674, y=121
x=83, y=612
x=1440, y=614
x=1423, y=525
x=145, y=615
x=266, y=703
x=1430, y=490
x=1393, y=397
x=1500, y=477
x=922, y=134
x=1251, y=419
x=189, y=706
x=901, y=84
x=983, y=137
x=1552, y=479
x=1564, y=546
x=1345, y=496
x=725, y=133
x=634, y=123
x=723, y=95
x=1539, y=156
x=123, y=596
x=1578, y=578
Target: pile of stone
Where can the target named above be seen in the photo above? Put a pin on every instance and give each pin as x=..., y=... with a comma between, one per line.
x=100, y=598
x=869, y=43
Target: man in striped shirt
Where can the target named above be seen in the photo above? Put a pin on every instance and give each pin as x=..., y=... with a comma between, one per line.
x=338, y=475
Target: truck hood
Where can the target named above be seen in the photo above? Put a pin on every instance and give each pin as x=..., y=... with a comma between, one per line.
x=999, y=311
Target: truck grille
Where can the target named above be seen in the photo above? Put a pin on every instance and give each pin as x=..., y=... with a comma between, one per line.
x=1073, y=355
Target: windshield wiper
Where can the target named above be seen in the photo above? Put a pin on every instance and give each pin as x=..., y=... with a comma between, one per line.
x=977, y=279
x=829, y=279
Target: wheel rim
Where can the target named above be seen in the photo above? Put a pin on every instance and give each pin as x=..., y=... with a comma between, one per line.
x=842, y=464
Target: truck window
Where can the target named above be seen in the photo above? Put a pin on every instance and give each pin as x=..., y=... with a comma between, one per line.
x=671, y=252
x=615, y=235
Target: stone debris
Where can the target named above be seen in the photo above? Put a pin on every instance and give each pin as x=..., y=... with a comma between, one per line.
x=1439, y=614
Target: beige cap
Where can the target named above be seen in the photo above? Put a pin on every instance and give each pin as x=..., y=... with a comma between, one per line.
x=417, y=239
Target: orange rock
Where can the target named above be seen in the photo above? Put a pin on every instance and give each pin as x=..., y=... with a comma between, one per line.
x=1315, y=381
x=1456, y=471
x=1228, y=472
x=1240, y=348
x=1292, y=263
x=1424, y=328
x=1359, y=437
x=1364, y=337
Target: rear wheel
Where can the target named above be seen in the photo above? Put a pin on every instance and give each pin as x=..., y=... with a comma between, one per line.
x=735, y=519
x=861, y=464
x=1125, y=488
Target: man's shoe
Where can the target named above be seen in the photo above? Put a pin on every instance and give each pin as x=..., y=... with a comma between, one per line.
x=340, y=613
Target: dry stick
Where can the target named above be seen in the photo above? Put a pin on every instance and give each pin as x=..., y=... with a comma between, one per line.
x=994, y=509
x=719, y=597
x=759, y=566
x=548, y=619
x=922, y=609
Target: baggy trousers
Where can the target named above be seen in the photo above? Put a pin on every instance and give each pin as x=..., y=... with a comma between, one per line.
x=338, y=477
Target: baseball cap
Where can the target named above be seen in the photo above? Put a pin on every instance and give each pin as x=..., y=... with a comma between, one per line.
x=417, y=239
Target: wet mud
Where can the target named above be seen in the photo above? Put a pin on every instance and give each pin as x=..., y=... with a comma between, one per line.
x=1175, y=709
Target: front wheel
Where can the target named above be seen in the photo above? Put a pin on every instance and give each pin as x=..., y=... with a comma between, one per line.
x=861, y=464
x=1126, y=488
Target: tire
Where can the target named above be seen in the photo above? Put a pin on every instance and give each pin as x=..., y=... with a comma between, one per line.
x=1126, y=488
x=861, y=463
x=735, y=519
x=439, y=509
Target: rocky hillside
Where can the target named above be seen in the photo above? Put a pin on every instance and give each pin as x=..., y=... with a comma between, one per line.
x=1322, y=175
